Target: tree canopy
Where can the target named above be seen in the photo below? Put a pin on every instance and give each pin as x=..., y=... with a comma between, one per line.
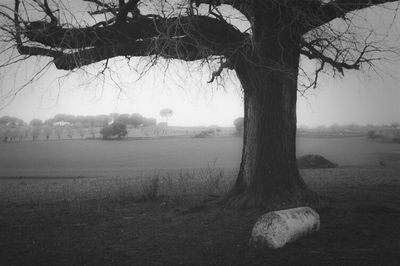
x=185, y=30
x=117, y=129
x=167, y=112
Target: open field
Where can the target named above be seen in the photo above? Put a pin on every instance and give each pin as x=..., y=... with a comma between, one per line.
x=155, y=202
x=98, y=158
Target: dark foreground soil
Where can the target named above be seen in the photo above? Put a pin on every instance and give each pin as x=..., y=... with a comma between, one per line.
x=360, y=225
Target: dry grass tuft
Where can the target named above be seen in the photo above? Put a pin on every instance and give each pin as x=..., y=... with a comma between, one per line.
x=176, y=186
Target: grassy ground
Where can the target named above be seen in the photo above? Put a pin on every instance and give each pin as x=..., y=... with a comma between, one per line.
x=174, y=219
x=123, y=203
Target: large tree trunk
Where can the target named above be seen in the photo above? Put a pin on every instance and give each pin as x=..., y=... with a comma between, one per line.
x=268, y=174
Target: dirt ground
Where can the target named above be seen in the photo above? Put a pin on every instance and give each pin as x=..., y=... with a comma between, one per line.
x=360, y=225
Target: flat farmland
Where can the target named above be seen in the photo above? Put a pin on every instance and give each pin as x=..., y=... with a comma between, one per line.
x=98, y=158
x=69, y=158
x=115, y=158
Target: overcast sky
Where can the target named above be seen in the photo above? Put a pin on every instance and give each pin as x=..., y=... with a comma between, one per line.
x=358, y=97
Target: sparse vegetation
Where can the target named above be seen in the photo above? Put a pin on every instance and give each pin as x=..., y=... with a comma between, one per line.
x=170, y=186
x=47, y=131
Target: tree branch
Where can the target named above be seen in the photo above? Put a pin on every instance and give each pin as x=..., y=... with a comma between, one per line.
x=105, y=8
x=324, y=13
x=313, y=53
x=205, y=29
x=244, y=6
x=183, y=48
x=125, y=8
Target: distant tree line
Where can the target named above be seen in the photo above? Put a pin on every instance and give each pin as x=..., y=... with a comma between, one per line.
x=350, y=129
x=372, y=131
x=387, y=134
x=116, y=129
x=65, y=125
x=134, y=120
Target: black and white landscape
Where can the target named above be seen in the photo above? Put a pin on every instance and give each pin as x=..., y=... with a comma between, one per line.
x=199, y=132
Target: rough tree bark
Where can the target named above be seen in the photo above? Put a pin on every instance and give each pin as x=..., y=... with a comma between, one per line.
x=268, y=172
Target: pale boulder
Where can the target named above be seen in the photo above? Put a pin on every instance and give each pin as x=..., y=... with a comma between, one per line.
x=276, y=229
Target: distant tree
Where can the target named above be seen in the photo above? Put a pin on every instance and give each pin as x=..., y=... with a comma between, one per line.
x=81, y=132
x=21, y=132
x=47, y=131
x=123, y=118
x=59, y=131
x=136, y=120
x=372, y=134
x=36, y=123
x=60, y=117
x=119, y=130
x=49, y=121
x=106, y=132
x=11, y=121
x=93, y=131
x=148, y=122
x=90, y=121
x=101, y=120
x=80, y=120
x=4, y=120
x=12, y=132
x=35, y=132
x=26, y=131
x=65, y=118
x=239, y=126
x=69, y=131
x=115, y=129
x=166, y=113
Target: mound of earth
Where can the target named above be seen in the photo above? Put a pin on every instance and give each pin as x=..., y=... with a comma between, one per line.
x=314, y=161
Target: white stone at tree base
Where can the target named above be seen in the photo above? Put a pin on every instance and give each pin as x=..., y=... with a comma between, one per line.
x=276, y=229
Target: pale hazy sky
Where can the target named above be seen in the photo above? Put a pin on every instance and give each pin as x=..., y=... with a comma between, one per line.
x=358, y=97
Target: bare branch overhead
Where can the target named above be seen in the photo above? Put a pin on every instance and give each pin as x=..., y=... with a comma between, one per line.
x=325, y=12
x=192, y=35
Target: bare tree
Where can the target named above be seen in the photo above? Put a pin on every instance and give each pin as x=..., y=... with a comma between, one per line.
x=167, y=112
x=47, y=131
x=59, y=131
x=264, y=57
